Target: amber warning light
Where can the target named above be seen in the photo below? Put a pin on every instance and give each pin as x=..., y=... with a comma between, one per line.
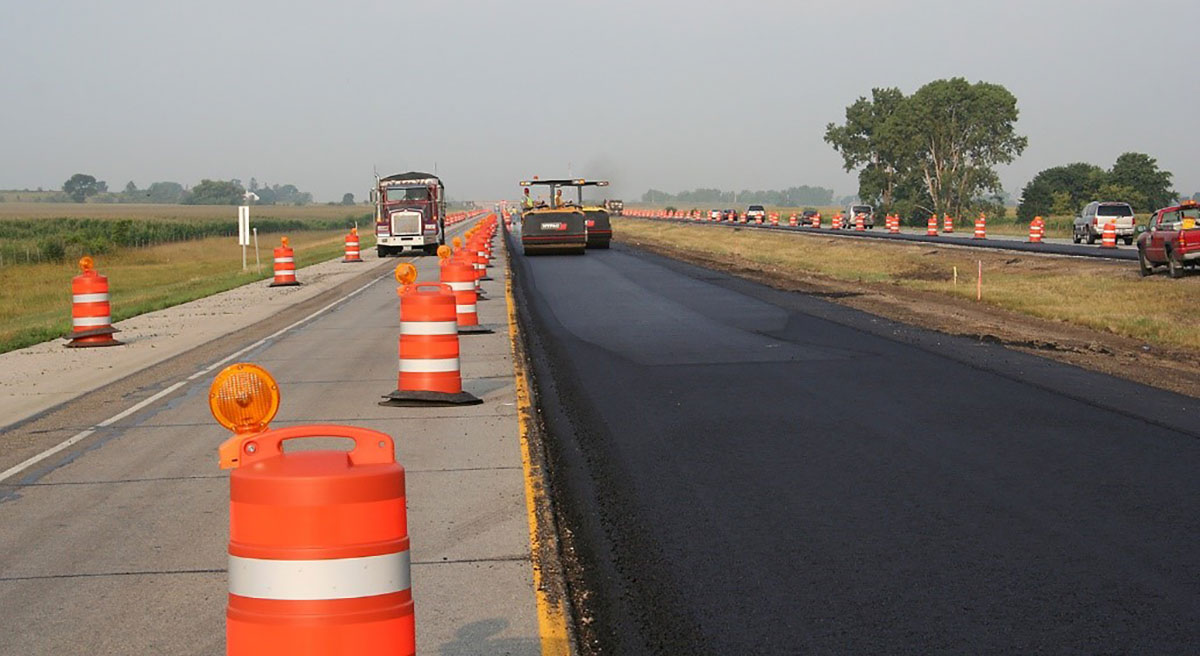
x=244, y=399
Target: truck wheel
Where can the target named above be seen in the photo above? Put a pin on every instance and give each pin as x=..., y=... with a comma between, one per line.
x=381, y=251
x=1091, y=237
x=430, y=249
x=1144, y=267
x=1075, y=238
x=1174, y=266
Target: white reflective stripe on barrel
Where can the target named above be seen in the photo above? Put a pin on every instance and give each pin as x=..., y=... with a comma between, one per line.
x=432, y=366
x=335, y=578
x=461, y=286
x=90, y=321
x=428, y=327
x=284, y=259
x=464, y=309
x=89, y=298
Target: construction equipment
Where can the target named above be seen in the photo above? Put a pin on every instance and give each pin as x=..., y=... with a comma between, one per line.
x=557, y=226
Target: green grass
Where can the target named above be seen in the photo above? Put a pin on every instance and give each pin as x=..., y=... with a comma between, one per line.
x=35, y=299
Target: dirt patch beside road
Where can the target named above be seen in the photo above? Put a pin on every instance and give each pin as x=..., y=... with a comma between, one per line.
x=914, y=284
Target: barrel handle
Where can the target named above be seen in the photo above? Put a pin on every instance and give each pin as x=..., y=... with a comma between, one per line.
x=371, y=447
x=412, y=287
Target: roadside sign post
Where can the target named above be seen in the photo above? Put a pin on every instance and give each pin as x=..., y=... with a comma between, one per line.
x=257, y=262
x=243, y=231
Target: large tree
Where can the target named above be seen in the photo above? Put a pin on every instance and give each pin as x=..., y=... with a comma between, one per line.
x=81, y=185
x=1071, y=186
x=958, y=133
x=934, y=151
x=1140, y=173
x=868, y=143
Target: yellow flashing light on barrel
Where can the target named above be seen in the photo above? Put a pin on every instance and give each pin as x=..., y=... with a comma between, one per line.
x=86, y=263
x=283, y=241
x=406, y=274
x=443, y=253
x=244, y=398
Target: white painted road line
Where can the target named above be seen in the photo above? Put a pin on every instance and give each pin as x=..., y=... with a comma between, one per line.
x=81, y=435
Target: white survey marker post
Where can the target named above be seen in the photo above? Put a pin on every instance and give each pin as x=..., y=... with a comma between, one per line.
x=243, y=231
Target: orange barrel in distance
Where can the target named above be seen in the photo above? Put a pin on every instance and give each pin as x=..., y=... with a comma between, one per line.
x=461, y=278
x=353, y=254
x=1108, y=238
x=285, y=265
x=980, y=227
x=91, y=314
x=931, y=228
x=816, y=220
x=318, y=540
x=837, y=221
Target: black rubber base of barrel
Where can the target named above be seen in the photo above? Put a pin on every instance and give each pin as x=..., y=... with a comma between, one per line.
x=481, y=329
x=360, y=260
x=408, y=399
x=486, y=278
x=294, y=283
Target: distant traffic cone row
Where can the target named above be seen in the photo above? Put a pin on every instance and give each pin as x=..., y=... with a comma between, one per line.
x=980, y=227
x=91, y=314
x=285, y=265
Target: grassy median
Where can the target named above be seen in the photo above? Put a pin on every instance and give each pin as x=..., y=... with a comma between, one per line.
x=1101, y=295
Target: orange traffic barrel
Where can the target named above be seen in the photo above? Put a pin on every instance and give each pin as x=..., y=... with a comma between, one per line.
x=947, y=224
x=91, y=314
x=285, y=265
x=980, y=227
x=318, y=540
x=1037, y=230
x=931, y=228
x=461, y=279
x=352, y=250
x=816, y=220
x=429, y=355
x=837, y=221
x=860, y=222
x=1108, y=238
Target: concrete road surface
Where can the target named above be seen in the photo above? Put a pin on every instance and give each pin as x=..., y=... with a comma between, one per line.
x=750, y=471
x=120, y=548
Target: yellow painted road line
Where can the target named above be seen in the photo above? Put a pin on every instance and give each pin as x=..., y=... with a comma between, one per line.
x=552, y=616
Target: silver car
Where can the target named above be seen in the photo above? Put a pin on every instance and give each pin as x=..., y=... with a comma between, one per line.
x=852, y=212
x=1090, y=223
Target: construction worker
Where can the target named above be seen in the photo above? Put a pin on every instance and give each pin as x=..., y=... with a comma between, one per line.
x=558, y=201
x=527, y=201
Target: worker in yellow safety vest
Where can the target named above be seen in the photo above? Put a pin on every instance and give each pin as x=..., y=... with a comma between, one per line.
x=527, y=202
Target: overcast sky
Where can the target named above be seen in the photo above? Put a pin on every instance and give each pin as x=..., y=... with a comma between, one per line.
x=671, y=94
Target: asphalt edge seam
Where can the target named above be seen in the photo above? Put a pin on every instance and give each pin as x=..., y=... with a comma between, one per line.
x=555, y=624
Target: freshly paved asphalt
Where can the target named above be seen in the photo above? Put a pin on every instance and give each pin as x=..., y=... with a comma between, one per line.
x=751, y=471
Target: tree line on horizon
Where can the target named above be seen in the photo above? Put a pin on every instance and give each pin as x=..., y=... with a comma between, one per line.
x=790, y=197
x=82, y=187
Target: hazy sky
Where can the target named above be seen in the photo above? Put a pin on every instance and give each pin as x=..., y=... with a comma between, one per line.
x=672, y=94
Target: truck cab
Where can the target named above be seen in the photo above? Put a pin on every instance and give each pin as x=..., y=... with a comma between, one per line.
x=410, y=212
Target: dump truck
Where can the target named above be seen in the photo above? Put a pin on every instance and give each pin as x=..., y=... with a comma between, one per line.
x=410, y=212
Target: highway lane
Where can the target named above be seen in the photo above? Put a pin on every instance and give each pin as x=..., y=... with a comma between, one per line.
x=746, y=470
x=121, y=548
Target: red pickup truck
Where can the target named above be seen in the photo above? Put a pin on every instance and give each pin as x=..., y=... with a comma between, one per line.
x=1173, y=239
